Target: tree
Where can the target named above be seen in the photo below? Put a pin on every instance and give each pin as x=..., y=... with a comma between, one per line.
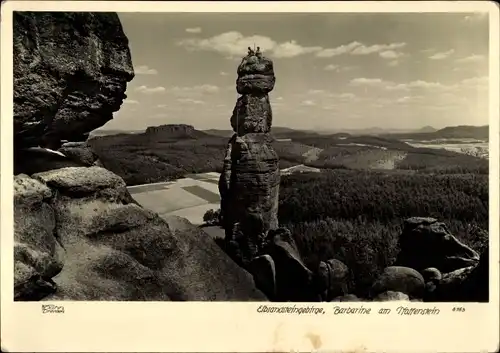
x=212, y=217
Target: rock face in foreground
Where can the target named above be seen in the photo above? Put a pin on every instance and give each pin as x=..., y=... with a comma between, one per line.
x=427, y=243
x=78, y=237
x=70, y=74
x=249, y=182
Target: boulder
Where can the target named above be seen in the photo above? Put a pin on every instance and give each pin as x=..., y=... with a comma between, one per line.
x=263, y=270
x=70, y=74
x=112, y=249
x=391, y=296
x=333, y=275
x=294, y=281
x=347, y=298
x=425, y=243
x=399, y=279
x=80, y=152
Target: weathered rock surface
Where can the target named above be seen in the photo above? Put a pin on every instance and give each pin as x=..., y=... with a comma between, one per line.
x=425, y=243
x=391, y=296
x=399, y=279
x=249, y=186
x=469, y=284
x=263, y=270
x=33, y=160
x=78, y=232
x=333, y=275
x=347, y=298
x=38, y=256
x=294, y=281
x=79, y=152
x=251, y=114
x=255, y=74
x=70, y=74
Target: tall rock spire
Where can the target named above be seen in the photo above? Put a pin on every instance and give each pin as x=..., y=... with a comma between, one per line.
x=249, y=182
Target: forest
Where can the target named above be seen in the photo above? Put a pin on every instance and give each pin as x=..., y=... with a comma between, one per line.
x=356, y=216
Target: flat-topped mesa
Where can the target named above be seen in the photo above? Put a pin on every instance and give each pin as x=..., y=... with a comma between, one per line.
x=249, y=181
x=256, y=79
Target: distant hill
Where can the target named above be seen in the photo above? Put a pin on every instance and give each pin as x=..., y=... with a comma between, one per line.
x=426, y=129
x=100, y=132
x=169, y=152
x=450, y=132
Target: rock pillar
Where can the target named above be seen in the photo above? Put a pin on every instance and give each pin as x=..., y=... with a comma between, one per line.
x=249, y=182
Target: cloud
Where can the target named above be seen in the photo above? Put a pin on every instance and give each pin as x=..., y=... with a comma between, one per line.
x=393, y=86
x=474, y=58
x=223, y=73
x=150, y=90
x=390, y=54
x=315, y=91
x=393, y=63
x=346, y=96
x=279, y=98
x=193, y=30
x=231, y=43
x=478, y=16
x=332, y=67
x=190, y=101
x=480, y=82
x=161, y=106
x=145, y=70
x=376, y=48
x=442, y=55
x=343, y=49
x=418, y=84
x=130, y=101
x=362, y=81
x=291, y=49
x=200, y=89
x=409, y=99
x=308, y=103
x=235, y=44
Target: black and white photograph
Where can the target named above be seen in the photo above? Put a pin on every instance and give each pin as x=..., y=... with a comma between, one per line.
x=253, y=156
x=249, y=157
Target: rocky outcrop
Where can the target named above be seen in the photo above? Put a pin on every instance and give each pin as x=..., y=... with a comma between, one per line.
x=38, y=256
x=469, y=284
x=70, y=74
x=78, y=237
x=250, y=178
x=426, y=243
x=80, y=152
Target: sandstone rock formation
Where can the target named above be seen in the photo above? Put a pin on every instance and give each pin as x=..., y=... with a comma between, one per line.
x=249, y=182
x=78, y=237
x=80, y=152
x=70, y=74
x=468, y=284
x=334, y=275
x=425, y=243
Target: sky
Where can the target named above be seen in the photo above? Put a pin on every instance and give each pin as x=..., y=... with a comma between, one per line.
x=333, y=70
